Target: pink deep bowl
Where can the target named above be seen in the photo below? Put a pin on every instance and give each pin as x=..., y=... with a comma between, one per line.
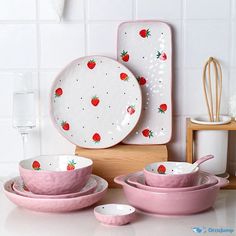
x=55, y=174
x=177, y=175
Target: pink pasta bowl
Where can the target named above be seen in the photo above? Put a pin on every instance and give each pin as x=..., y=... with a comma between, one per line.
x=56, y=174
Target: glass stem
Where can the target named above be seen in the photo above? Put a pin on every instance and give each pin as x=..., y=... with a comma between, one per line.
x=24, y=136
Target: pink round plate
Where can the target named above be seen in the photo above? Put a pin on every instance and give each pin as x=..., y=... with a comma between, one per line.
x=20, y=188
x=95, y=102
x=57, y=205
x=204, y=180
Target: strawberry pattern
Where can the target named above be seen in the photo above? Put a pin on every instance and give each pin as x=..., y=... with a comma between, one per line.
x=101, y=95
x=36, y=165
x=151, y=62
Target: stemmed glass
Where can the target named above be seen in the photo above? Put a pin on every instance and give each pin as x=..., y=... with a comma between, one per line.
x=24, y=107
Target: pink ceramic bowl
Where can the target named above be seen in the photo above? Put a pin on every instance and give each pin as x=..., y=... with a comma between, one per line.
x=170, y=174
x=114, y=214
x=171, y=203
x=58, y=174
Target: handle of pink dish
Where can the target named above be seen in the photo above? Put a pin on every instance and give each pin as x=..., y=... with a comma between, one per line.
x=222, y=182
x=203, y=159
x=120, y=179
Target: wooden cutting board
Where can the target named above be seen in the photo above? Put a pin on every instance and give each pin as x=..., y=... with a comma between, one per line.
x=122, y=159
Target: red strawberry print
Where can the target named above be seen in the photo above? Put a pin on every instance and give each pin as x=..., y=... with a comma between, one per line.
x=147, y=133
x=91, y=64
x=95, y=100
x=65, y=125
x=141, y=80
x=71, y=165
x=162, y=108
x=124, y=56
x=96, y=138
x=144, y=33
x=58, y=92
x=36, y=165
x=131, y=110
x=124, y=76
x=162, y=56
x=25, y=188
x=161, y=169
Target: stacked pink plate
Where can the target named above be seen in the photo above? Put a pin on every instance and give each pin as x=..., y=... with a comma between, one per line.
x=55, y=184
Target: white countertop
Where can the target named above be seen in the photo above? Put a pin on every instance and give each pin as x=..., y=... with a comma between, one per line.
x=15, y=221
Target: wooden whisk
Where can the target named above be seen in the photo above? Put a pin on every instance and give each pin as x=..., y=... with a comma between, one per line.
x=207, y=88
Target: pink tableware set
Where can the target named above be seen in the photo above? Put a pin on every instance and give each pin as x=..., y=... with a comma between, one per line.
x=172, y=188
x=97, y=102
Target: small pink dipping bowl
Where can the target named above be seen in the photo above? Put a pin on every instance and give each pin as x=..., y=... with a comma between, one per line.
x=114, y=214
x=170, y=174
x=57, y=174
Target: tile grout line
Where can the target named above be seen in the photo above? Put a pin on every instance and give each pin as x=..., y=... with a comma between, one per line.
x=38, y=74
x=134, y=9
x=86, y=5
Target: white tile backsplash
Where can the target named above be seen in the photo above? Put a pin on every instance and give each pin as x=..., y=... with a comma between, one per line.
x=17, y=10
x=100, y=30
x=32, y=38
x=233, y=44
x=107, y=10
x=46, y=80
x=11, y=143
x=60, y=44
x=18, y=46
x=203, y=39
x=74, y=10
x=194, y=102
x=176, y=145
x=52, y=142
x=159, y=9
x=206, y=9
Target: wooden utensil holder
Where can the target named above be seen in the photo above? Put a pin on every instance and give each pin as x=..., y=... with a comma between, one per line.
x=122, y=159
x=192, y=127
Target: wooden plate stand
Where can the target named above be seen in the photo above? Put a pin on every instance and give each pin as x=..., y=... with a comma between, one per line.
x=192, y=127
x=122, y=159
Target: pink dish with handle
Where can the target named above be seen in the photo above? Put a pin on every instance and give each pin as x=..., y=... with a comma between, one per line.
x=173, y=174
x=204, y=180
x=171, y=203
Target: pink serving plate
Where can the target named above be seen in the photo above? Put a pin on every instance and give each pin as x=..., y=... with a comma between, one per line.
x=20, y=188
x=145, y=47
x=56, y=205
x=204, y=180
x=171, y=203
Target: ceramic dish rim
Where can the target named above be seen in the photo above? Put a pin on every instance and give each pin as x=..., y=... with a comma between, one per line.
x=56, y=196
x=55, y=171
x=166, y=189
x=115, y=215
x=157, y=174
x=11, y=181
x=124, y=180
